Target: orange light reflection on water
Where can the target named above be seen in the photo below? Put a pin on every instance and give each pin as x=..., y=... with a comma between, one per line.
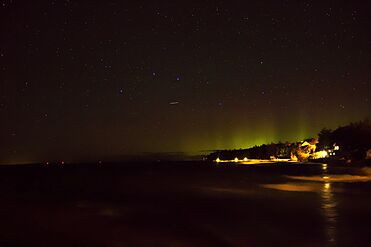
x=329, y=210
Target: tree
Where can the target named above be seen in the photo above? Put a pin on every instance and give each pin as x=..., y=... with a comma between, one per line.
x=325, y=139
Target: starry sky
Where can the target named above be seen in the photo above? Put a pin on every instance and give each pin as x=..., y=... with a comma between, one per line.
x=89, y=80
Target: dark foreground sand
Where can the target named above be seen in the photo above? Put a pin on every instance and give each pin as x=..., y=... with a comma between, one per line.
x=184, y=204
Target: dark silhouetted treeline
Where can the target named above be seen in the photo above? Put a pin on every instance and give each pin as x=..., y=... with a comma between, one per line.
x=265, y=151
x=353, y=140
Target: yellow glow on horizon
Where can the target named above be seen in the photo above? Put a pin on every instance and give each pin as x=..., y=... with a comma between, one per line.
x=236, y=159
x=217, y=160
x=245, y=159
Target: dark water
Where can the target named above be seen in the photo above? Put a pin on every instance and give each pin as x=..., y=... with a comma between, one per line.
x=185, y=204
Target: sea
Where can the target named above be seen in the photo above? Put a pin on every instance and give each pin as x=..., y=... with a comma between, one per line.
x=192, y=203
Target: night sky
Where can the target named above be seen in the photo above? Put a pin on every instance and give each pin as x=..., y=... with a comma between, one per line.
x=90, y=80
